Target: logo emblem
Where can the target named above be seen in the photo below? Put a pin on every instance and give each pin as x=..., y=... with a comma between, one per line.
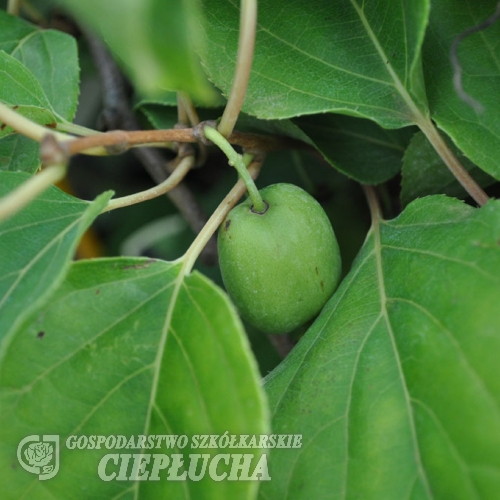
x=39, y=456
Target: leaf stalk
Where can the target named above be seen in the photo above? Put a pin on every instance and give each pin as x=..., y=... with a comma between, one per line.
x=167, y=185
x=452, y=162
x=217, y=218
x=244, y=58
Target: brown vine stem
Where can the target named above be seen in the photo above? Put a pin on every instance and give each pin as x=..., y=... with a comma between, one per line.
x=452, y=162
x=217, y=218
x=119, y=141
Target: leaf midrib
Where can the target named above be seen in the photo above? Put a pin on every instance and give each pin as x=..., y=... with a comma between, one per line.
x=385, y=314
x=413, y=108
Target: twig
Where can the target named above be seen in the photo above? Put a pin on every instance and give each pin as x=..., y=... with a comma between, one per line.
x=116, y=112
x=119, y=141
x=246, y=43
x=457, y=68
x=122, y=140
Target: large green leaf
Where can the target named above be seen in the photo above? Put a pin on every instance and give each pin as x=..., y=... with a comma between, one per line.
x=396, y=386
x=36, y=246
x=155, y=40
x=52, y=57
x=475, y=133
x=358, y=58
x=12, y=30
x=129, y=347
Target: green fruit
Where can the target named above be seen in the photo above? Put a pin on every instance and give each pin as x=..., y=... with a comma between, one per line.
x=279, y=267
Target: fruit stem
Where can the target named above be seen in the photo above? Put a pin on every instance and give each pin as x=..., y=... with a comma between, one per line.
x=216, y=219
x=246, y=43
x=238, y=162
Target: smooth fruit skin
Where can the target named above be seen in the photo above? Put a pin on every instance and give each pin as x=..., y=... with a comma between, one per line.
x=280, y=267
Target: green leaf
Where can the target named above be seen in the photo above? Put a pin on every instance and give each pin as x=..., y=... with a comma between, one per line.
x=12, y=30
x=358, y=148
x=170, y=99
x=129, y=347
x=355, y=58
x=37, y=245
x=477, y=134
x=159, y=115
x=396, y=386
x=19, y=153
x=156, y=41
x=52, y=58
x=21, y=90
x=424, y=172
x=286, y=128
